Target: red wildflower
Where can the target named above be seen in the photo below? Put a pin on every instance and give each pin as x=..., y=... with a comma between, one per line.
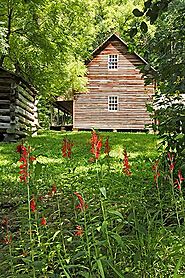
x=24, y=166
x=94, y=140
x=98, y=148
x=7, y=239
x=172, y=161
x=33, y=205
x=66, y=148
x=25, y=159
x=20, y=148
x=81, y=204
x=32, y=158
x=79, y=231
x=126, y=165
x=179, y=180
x=96, y=144
x=43, y=221
x=107, y=147
x=4, y=222
x=156, y=172
x=54, y=189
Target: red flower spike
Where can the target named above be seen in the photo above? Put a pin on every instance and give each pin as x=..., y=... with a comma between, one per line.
x=107, y=147
x=24, y=166
x=94, y=140
x=79, y=231
x=54, y=189
x=32, y=158
x=5, y=222
x=66, y=148
x=81, y=204
x=126, y=165
x=179, y=180
x=33, y=205
x=157, y=174
x=96, y=144
x=172, y=161
x=98, y=148
x=43, y=221
x=8, y=239
x=180, y=175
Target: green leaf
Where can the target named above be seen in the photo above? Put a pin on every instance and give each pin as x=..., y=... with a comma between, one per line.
x=117, y=213
x=100, y=266
x=120, y=274
x=144, y=27
x=104, y=226
x=137, y=13
x=133, y=32
x=118, y=239
x=148, y=4
x=103, y=191
x=55, y=234
x=178, y=265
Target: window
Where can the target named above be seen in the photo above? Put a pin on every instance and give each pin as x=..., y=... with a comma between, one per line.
x=112, y=61
x=113, y=103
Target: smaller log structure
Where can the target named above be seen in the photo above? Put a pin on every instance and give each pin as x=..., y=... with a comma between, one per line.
x=18, y=109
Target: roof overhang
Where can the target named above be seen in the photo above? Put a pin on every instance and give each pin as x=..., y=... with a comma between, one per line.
x=20, y=80
x=65, y=106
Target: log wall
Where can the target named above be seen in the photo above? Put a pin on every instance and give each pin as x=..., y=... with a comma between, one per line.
x=18, y=110
x=126, y=82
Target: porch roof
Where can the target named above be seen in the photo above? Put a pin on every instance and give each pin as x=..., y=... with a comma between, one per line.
x=65, y=106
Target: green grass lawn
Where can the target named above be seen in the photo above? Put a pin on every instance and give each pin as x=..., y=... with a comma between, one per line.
x=127, y=227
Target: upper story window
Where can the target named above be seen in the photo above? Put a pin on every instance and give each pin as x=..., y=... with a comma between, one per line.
x=113, y=61
x=113, y=103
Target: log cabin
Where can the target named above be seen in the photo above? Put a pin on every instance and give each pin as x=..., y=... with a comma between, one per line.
x=116, y=94
x=18, y=110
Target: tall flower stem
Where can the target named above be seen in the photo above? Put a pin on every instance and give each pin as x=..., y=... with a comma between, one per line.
x=174, y=199
x=160, y=202
x=11, y=261
x=106, y=230
x=87, y=238
x=30, y=229
x=61, y=233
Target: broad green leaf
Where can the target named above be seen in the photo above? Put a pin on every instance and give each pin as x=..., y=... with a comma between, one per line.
x=133, y=32
x=103, y=191
x=100, y=267
x=144, y=27
x=117, y=213
x=137, y=13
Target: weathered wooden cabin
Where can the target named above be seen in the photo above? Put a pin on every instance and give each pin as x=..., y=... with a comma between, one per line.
x=18, y=110
x=117, y=95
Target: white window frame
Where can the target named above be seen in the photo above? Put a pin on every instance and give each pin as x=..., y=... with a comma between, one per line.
x=113, y=103
x=113, y=61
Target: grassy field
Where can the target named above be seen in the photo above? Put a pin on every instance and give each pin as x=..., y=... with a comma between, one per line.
x=87, y=217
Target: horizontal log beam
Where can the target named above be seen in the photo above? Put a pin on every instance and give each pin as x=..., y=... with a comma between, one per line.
x=4, y=119
x=27, y=94
x=23, y=120
x=4, y=101
x=25, y=101
x=24, y=113
x=5, y=112
x=4, y=125
x=24, y=106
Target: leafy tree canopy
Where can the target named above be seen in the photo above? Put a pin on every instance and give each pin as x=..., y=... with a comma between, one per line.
x=47, y=41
